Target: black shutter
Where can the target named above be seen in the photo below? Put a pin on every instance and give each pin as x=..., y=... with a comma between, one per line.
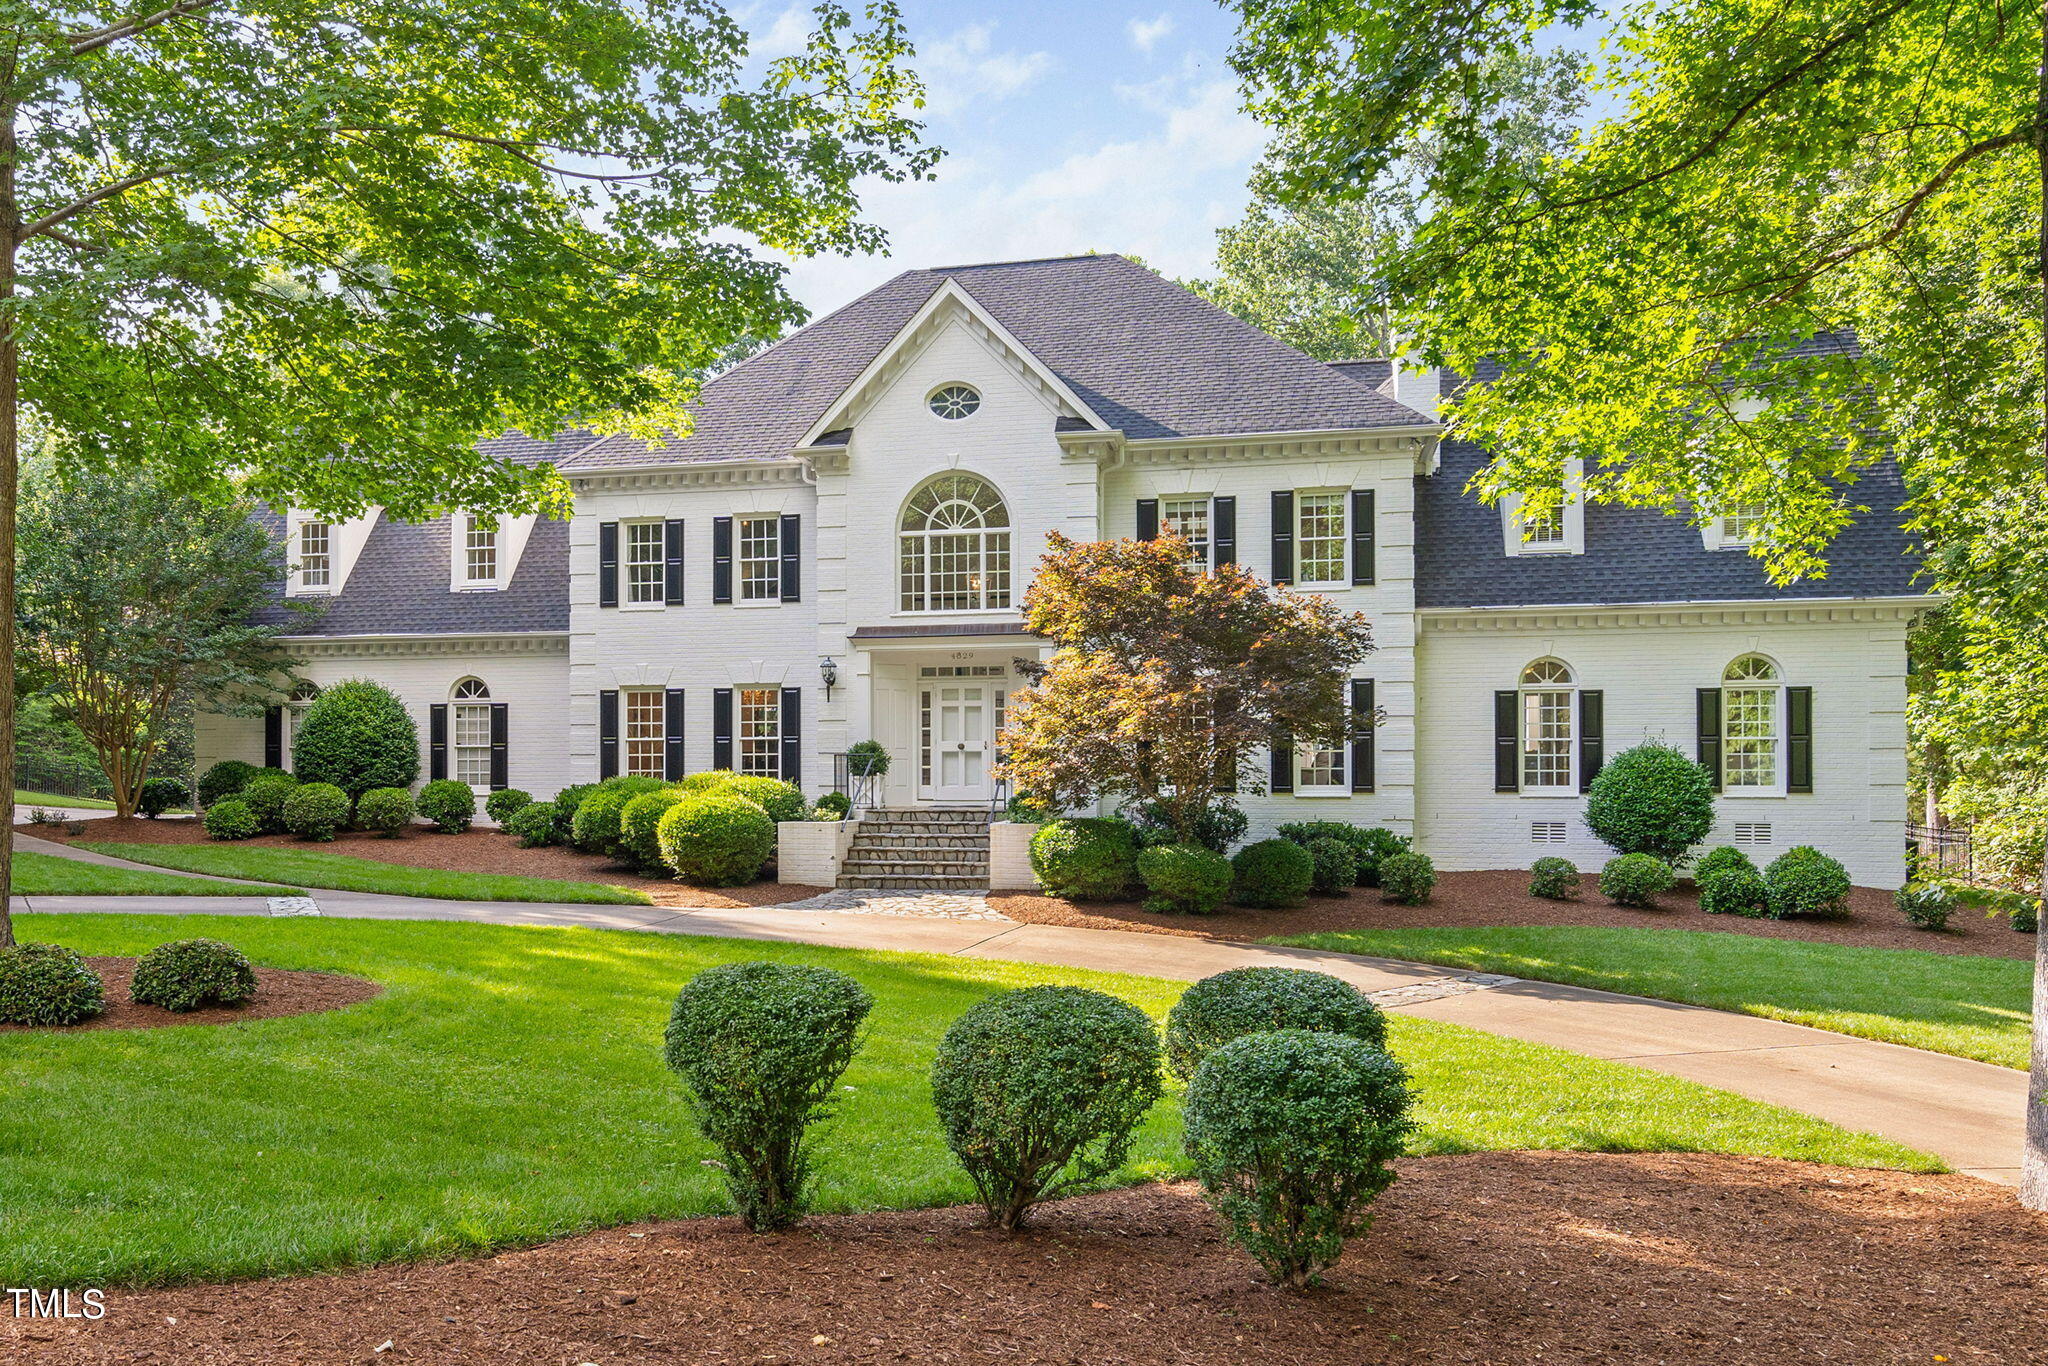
x=1362, y=528
x=608, y=733
x=1148, y=519
x=1283, y=536
x=273, y=737
x=1283, y=767
x=721, y=559
x=1507, y=749
x=1226, y=764
x=792, y=736
x=607, y=564
x=672, y=735
x=672, y=562
x=437, y=741
x=1709, y=713
x=721, y=727
x=792, y=555
x=501, y=755
x=1223, y=531
x=1799, y=739
x=1362, y=726
x=1592, y=735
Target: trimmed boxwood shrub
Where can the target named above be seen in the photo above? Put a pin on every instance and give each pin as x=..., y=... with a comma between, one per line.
x=502, y=804
x=1635, y=879
x=1336, y=866
x=1040, y=1090
x=159, y=795
x=1272, y=873
x=224, y=779
x=1293, y=1134
x=314, y=811
x=640, y=826
x=450, y=805
x=782, y=801
x=48, y=984
x=1651, y=799
x=1025, y=809
x=1804, y=881
x=1734, y=889
x=834, y=806
x=1087, y=858
x=356, y=735
x=1407, y=878
x=1185, y=878
x=596, y=827
x=265, y=797
x=1720, y=857
x=231, y=819
x=1926, y=905
x=189, y=973
x=760, y=1048
x=1243, y=1001
x=533, y=825
x=867, y=759
x=387, y=810
x=707, y=780
x=1218, y=827
x=565, y=804
x=715, y=839
x=1554, y=879
x=1369, y=845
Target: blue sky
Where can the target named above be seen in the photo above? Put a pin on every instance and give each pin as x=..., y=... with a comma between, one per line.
x=1069, y=127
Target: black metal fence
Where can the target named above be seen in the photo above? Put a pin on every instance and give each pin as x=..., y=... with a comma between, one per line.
x=1938, y=851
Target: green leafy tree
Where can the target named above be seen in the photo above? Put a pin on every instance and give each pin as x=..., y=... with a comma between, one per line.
x=1775, y=176
x=318, y=253
x=135, y=599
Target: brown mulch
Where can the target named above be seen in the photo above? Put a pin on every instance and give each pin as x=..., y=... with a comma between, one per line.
x=279, y=992
x=474, y=851
x=1502, y=898
x=1500, y=1258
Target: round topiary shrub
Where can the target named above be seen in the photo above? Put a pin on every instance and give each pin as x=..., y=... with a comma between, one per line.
x=159, y=795
x=1293, y=1134
x=708, y=780
x=782, y=801
x=1272, y=874
x=715, y=839
x=1635, y=879
x=640, y=826
x=265, y=797
x=1336, y=866
x=223, y=780
x=314, y=811
x=1244, y=1001
x=1184, y=878
x=1721, y=856
x=1653, y=800
x=1804, y=881
x=387, y=810
x=1407, y=878
x=1039, y=1090
x=48, y=984
x=501, y=805
x=1554, y=879
x=596, y=827
x=356, y=735
x=1087, y=858
x=867, y=759
x=1926, y=905
x=450, y=805
x=565, y=804
x=190, y=973
x=759, y=1048
x=231, y=819
x=533, y=825
x=1734, y=889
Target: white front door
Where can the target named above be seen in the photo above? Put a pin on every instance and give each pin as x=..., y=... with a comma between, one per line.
x=959, y=741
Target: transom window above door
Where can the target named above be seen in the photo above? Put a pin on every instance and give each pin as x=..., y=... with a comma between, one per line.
x=954, y=401
x=955, y=547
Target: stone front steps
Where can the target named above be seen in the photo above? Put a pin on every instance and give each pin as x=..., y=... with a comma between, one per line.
x=925, y=849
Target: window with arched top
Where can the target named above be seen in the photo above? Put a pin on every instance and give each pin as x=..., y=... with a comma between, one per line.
x=955, y=547
x=1752, y=724
x=1548, y=730
x=470, y=689
x=305, y=692
x=469, y=732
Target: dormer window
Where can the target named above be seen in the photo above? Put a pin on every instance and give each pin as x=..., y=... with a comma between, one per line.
x=1559, y=529
x=316, y=555
x=1739, y=524
x=954, y=401
x=1544, y=530
x=479, y=553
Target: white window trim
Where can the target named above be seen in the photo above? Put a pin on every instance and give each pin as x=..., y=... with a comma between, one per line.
x=739, y=559
x=739, y=725
x=660, y=600
x=1343, y=579
x=1714, y=532
x=1780, y=734
x=1570, y=786
x=297, y=585
x=1207, y=558
x=1574, y=509
x=458, y=555
x=627, y=739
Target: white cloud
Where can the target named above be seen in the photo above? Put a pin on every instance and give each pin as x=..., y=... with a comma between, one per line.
x=1146, y=33
x=961, y=68
x=789, y=34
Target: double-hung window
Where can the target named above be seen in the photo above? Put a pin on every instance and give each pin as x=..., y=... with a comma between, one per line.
x=1543, y=530
x=479, y=552
x=760, y=557
x=1547, y=729
x=316, y=561
x=1739, y=523
x=1321, y=529
x=644, y=712
x=644, y=562
x=1188, y=518
x=1320, y=773
x=469, y=732
x=1752, y=725
x=760, y=731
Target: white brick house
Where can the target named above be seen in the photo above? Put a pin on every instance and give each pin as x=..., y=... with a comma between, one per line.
x=837, y=553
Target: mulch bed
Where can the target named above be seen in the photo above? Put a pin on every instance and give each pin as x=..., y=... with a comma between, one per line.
x=473, y=851
x=279, y=992
x=1501, y=1258
x=1502, y=898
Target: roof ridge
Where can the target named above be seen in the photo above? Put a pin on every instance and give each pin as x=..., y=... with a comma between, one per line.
x=1028, y=261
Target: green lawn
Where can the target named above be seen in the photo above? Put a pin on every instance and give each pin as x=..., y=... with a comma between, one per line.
x=51, y=875
x=1969, y=1006
x=312, y=868
x=507, y=1087
x=24, y=800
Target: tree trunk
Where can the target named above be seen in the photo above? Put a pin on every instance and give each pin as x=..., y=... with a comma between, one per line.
x=2034, y=1168
x=10, y=482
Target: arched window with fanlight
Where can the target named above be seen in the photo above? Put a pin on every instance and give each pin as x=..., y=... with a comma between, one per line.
x=955, y=547
x=1752, y=726
x=469, y=732
x=1548, y=730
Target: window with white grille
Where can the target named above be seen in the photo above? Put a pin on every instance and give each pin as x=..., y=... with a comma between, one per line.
x=646, y=731
x=1546, y=832
x=760, y=559
x=469, y=726
x=1752, y=832
x=1188, y=517
x=1547, y=727
x=479, y=552
x=644, y=562
x=1752, y=723
x=1321, y=529
x=761, y=731
x=316, y=562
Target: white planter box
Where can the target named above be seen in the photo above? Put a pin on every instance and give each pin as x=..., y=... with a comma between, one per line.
x=809, y=853
x=1009, y=857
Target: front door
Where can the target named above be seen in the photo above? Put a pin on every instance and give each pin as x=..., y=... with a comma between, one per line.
x=959, y=741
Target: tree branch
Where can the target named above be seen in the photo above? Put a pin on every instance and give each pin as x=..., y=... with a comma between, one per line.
x=82, y=43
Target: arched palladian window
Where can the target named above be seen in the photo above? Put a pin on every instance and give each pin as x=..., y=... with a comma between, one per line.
x=955, y=547
x=1547, y=734
x=1752, y=724
x=469, y=732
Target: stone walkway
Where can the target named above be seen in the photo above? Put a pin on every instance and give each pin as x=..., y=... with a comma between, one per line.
x=891, y=901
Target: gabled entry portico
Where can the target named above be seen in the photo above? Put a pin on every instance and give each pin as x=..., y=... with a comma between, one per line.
x=936, y=700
